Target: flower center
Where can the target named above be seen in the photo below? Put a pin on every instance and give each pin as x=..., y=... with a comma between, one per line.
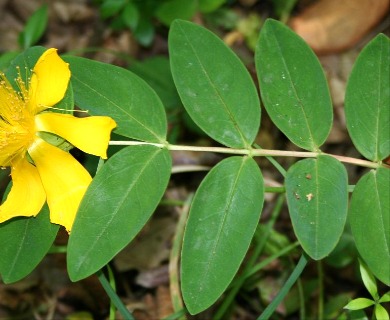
x=17, y=128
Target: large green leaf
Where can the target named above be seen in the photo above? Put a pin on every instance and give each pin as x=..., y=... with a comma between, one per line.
x=223, y=218
x=367, y=100
x=207, y=6
x=214, y=85
x=156, y=71
x=118, y=203
x=107, y=90
x=370, y=221
x=24, y=243
x=293, y=86
x=317, y=199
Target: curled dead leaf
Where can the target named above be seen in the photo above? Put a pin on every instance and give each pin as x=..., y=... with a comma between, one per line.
x=330, y=26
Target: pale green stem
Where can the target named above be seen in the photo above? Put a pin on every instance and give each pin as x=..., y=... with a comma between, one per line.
x=114, y=297
x=253, y=152
x=285, y=289
x=111, y=280
x=273, y=162
x=174, y=276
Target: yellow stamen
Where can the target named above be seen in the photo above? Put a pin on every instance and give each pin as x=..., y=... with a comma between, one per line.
x=16, y=123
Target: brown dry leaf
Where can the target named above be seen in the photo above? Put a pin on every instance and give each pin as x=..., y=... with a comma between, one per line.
x=330, y=26
x=10, y=26
x=24, y=9
x=71, y=11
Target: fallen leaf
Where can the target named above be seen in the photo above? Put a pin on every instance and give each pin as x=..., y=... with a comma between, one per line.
x=331, y=26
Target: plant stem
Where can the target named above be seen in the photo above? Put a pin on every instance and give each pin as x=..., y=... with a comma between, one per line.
x=301, y=294
x=253, y=152
x=58, y=249
x=114, y=297
x=174, y=258
x=276, y=164
x=267, y=261
x=111, y=281
x=286, y=288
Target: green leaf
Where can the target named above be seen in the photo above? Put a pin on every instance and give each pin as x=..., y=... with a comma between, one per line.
x=293, y=86
x=6, y=58
x=369, y=214
x=34, y=28
x=214, y=85
x=207, y=6
x=317, y=199
x=118, y=203
x=176, y=9
x=130, y=15
x=111, y=7
x=334, y=304
x=381, y=313
x=224, y=215
x=353, y=315
x=345, y=251
x=283, y=8
x=108, y=90
x=156, y=71
x=385, y=297
x=359, y=303
x=367, y=100
x=24, y=243
x=144, y=32
x=369, y=280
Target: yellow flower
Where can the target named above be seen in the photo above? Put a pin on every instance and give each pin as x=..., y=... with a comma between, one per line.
x=40, y=171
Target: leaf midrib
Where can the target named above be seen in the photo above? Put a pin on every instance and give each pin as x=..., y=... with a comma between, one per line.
x=300, y=103
x=226, y=208
x=125, y=196
x=212, y=85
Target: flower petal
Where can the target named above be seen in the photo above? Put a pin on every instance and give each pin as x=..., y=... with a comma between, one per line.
x=90, y=134
x=27, y=195
x=65, y=181
x=49, y=81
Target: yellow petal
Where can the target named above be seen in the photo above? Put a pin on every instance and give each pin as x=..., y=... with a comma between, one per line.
x=90, y=134
x=65, y=181
x=27, y=195
x=49, y=81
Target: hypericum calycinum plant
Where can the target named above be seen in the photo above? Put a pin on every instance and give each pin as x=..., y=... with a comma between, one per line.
x=220, y=96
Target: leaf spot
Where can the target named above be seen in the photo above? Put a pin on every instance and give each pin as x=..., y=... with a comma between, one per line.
x=309, y=196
